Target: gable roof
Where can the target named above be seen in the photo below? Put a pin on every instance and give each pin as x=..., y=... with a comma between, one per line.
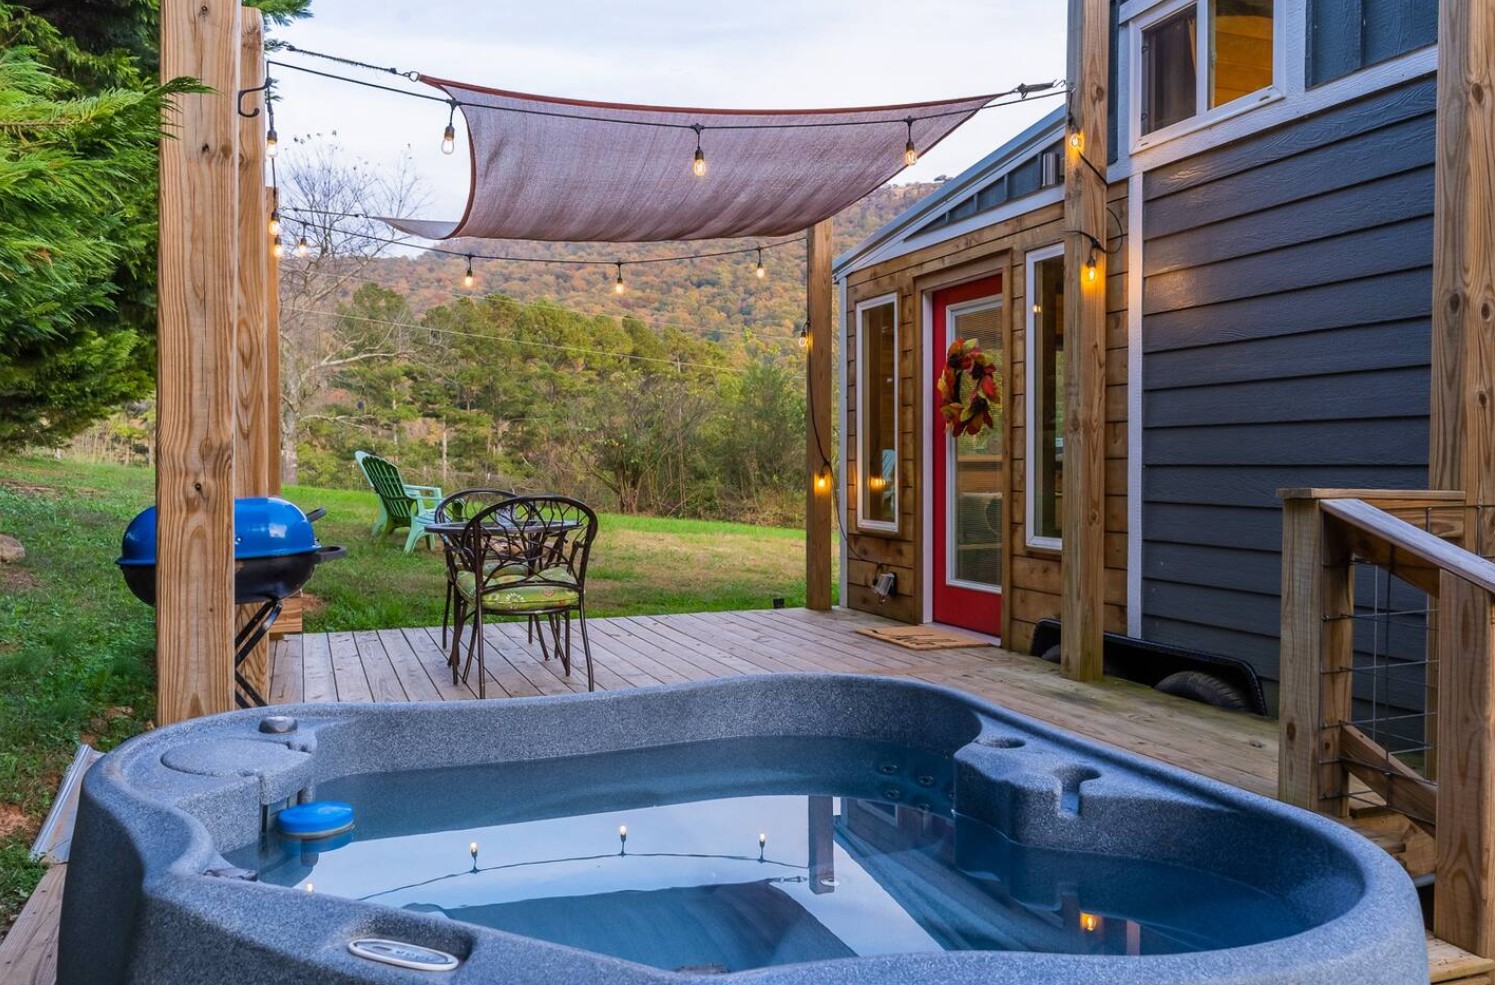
x=907, y=232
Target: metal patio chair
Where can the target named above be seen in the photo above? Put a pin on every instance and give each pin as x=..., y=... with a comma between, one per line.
x=449, y=519
x=401, y=504
x=526, y=556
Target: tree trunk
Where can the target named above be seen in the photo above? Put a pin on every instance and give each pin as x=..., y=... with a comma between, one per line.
x=290, y=429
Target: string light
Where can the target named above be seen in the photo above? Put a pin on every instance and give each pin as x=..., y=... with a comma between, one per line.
x=1090, y=922
x=1090, y=267
x=468, y=279
x=272, y=142
x=302, y=249
x=804, y=336
x=823, y=479
x=1076, y=140
x=274, y=225
x=622, y=839
x=762, y=841
x=619, y=288
x=910, y=152
x=760, y=271
x=472, y=850
x=449, y=135
x=277, y=248
x=698, y=165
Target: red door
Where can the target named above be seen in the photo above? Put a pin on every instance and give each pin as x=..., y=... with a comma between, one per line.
x=969, y=515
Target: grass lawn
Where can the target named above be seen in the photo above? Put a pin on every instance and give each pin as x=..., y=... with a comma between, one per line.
x=76, y=647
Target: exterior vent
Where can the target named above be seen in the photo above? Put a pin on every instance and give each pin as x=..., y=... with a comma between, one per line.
x=1053, y=169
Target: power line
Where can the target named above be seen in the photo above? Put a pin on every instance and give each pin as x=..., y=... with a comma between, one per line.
x=1022, y=92
x=698, y=331
x=571, y=261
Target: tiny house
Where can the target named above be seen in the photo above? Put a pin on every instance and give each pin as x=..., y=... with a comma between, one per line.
x=1269, y=257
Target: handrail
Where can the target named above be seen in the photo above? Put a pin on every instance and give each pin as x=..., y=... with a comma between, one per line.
x=1403, y=536
x=1450, y=794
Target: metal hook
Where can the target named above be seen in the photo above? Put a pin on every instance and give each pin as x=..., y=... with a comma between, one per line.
x=244, y=92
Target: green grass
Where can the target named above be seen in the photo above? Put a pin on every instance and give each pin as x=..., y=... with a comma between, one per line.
x=76, y=648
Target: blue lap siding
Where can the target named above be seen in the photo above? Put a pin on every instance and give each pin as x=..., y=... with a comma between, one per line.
x=1287, y=280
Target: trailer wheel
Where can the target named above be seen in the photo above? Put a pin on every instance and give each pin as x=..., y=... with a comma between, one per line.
x=1208, y=689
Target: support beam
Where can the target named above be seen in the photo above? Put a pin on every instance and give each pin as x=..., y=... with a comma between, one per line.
x=252, y=411
x=1463, y=909
x=1461, y=446
x=1317, y=658
x=1082, y=607
x=198, y=287
x=818, y=437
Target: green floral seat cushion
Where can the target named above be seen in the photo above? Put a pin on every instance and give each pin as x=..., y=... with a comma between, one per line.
x=519, y=598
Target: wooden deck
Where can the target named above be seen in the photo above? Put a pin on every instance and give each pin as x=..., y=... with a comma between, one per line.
x=636, y=651
x=408, y=665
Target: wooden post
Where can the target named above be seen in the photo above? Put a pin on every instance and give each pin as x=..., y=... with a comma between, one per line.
x=1461, y=426
x=252, y=459
x=1463, y=908
x=195, y=397
x=1317, y=658
x=818, y=437
x=1082, y=607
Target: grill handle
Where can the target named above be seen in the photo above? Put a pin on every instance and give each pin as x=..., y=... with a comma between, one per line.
x=316, y=514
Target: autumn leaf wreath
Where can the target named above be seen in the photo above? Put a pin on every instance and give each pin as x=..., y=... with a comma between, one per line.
x=967, y=388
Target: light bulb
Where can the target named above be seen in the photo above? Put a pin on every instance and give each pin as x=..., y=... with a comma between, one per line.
x=821, y=482
x=760, y=272
x=1076, y=140
x=618, y=287
x=301, y=248
x=762, y=840
x=272, y=143
x=804, y=337
x=698, y=164
x=1090, y=267
x=310, y=888
x=1089, y=922
x=910, y=154
x=472, y=849
x=448, y=139
x=277, y=248
x=468, y=279
x=622, y=831
x=274, y=225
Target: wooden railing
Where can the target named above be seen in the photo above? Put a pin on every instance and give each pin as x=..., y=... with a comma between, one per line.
x=1326, y=534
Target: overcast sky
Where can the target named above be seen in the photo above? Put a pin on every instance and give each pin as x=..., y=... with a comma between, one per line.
x=761, y=54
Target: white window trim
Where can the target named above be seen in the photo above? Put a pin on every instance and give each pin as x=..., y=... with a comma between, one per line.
x=1137, y=23
x=1030, y=451
x=990, y=303
x=886, y=526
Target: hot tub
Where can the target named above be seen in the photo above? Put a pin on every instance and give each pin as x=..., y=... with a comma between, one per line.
x=782, y=829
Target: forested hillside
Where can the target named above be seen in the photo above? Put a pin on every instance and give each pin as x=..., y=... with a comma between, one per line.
x=720, y=295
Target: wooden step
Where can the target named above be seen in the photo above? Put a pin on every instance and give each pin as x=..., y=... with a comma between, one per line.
x=1449, y=965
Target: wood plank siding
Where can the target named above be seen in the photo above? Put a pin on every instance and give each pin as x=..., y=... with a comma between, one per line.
x=1286, y=301
x=1031, y=589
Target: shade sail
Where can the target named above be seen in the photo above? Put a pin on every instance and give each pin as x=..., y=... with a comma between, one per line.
x=570, y=171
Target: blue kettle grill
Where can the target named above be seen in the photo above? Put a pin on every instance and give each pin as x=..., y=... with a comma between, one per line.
x=275, y=553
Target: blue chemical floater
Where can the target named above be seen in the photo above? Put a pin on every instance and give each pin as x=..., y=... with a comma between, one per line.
x=318, y=819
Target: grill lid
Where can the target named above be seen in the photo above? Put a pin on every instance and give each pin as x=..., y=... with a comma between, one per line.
x=264, y=526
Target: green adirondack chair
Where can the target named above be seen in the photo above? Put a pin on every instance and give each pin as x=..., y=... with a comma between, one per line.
x=400, y=504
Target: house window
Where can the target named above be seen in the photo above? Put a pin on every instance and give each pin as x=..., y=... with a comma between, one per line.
x=877, y=413
x=1236, y=37
x=1045, y=396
